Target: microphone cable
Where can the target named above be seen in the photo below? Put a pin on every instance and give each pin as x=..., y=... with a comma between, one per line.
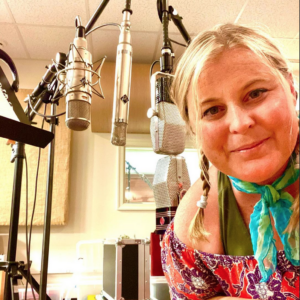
x=152, y=66
x=104, y=25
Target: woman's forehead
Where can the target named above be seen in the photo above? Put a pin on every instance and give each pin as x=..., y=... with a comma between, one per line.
x=235, y=66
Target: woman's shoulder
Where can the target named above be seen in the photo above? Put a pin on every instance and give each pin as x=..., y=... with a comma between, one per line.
x=188, y=208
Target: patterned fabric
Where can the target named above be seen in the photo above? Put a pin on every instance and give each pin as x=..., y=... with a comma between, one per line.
x=279, y=203
x=193, y=274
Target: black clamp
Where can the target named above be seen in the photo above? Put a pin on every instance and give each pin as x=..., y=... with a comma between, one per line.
x=52, y=120
x=17, y=151
x=127, y=7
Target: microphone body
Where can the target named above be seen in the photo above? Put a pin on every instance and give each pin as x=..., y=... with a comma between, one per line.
x=167, y=128
x=78, y=86
x=122, y=84
x=47, y=80
x=171, y=180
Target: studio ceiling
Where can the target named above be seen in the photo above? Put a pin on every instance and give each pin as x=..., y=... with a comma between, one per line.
x=36, y=30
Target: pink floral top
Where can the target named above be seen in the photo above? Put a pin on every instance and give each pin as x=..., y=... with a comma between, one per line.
x=193, y=274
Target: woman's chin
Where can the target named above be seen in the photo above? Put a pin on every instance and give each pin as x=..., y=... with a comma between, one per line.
x=259, y=173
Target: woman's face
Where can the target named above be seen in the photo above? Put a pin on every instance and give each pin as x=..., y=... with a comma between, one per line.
x=247, y=121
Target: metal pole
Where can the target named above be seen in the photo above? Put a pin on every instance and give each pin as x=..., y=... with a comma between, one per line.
x=48, y=207
x=96, y=15
x=18, y=156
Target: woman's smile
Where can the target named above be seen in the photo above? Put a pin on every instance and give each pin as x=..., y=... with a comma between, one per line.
x=250, y=148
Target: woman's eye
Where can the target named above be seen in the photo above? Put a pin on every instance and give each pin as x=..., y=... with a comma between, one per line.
x=256, y=93
x=212, y=111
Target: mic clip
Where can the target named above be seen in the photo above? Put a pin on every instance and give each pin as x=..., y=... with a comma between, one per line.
x=52, y=120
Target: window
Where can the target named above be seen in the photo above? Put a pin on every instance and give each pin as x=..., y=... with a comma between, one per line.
x=137, y=163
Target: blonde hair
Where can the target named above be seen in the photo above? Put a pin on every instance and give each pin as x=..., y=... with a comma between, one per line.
x=206, y=47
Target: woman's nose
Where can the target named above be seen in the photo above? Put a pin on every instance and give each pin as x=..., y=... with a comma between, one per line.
x=240, y=120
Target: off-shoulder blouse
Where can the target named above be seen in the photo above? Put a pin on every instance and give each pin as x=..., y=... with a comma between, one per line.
x=193, y=274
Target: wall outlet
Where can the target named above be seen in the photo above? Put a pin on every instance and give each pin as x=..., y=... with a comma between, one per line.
x=2, y=257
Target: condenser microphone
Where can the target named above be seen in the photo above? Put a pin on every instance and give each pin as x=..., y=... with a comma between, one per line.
x=167, y=129
x=78, y=82
x=122, y=83
x=171, y=181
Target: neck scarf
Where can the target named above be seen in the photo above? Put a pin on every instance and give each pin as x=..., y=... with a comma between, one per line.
x=278, y=202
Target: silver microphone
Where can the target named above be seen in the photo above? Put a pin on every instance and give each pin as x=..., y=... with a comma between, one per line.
x=167, y=128
x=78, y=83
x=122, y=84
x=171, y=181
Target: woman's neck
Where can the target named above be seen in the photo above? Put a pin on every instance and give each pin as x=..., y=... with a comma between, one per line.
x=275, y=176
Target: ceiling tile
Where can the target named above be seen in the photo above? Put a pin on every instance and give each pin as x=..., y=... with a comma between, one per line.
x=5, y=16
x=105, y=42
x=202, y=15
x=45, y=12
x=144, y=17
x=12, y=43
x=45, y=42
x=290, y=48
x=144, y=45
x=279, y=17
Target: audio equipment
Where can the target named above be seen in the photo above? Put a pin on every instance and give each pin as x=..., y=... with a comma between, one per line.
x=78, y=82
x=122, y=82
x=171, y=181
x=167, y=128
x=126, y=273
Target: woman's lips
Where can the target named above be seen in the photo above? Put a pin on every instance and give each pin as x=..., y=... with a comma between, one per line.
x=249, y=146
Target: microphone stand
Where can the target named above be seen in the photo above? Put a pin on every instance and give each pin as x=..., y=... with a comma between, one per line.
x=18, y=156
x=48, y=202
x=48, y=208
x=49, y=190
x=177, y=21
x=17, y=270
x=96, y=15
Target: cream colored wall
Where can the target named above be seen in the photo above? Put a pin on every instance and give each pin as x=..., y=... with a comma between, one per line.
x=92, y=204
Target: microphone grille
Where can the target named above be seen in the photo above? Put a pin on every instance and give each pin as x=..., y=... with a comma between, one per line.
x=78, y=117
x=165, y=185
x=167, y=130
x=118, y=135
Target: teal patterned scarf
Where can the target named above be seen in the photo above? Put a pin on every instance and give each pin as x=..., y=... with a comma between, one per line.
x=279, y=203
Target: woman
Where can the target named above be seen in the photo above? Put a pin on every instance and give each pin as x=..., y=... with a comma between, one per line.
x=235, y=91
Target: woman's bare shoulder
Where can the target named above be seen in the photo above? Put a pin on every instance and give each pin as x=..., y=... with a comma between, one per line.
x=188, y=208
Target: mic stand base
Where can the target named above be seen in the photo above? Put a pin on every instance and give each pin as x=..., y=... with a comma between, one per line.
x=15, y=271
